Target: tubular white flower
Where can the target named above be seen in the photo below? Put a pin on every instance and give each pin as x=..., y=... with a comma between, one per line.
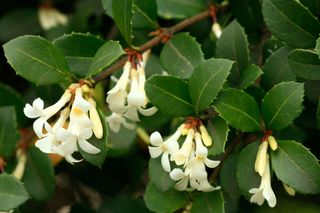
x=165, y=148
x=261, y=159
x=182, y=155
x=183, y=178
x=79, y=111
x=264, y=191
x=115, y=120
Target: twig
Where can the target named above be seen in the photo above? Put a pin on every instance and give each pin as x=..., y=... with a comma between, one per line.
x=153, y=42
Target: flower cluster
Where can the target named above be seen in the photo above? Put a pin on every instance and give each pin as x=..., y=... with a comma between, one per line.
x=190, y=160
x=128, y=97
x=262, y=167
x=77, y=122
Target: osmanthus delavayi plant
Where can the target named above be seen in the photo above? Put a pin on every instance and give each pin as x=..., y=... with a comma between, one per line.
x=220, y=117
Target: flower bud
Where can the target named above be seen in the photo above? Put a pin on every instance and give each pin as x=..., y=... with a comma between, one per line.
x=205, y=136
x=22, y=160
x=289, y=189
x=261, y=160
x=95, y=118
x=273, y=143
x=216, y=29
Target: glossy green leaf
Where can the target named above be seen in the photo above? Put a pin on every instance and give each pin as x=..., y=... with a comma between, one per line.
x=120, y=143
x=296, y=166
x=37, y=60
x=98, y=159
x=208, y=203
x=218, y=130
x=158, y=176
x=282, y=104
x=107, y=6
x=9, y=134
x=9, y=97
x=170, y=95
x=291, y=22
x=105, y=56
x=233, y=45
x=239, y=109
x=312, y=5
x=11, y=22
x=123, y=14
x=79, y=50
x=145, y=14
x=276, y=68
x=161, y=202
x=249, y=76
x=39, y=175
x=207, y=80
x=12, y=192
x=317, y=49
x=246, y=175
x=169, y=9
x=180, y=55
x=305, y=64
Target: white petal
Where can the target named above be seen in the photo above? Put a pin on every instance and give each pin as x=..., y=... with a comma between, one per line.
x=85, y=133
x=30, y=112
x=177, y=174
x=165, y=162
x=38, y=104
x=257, y=198
x=211, y=163
x=88, y=147
x=72, y=160
x=205, y=186
x=155, y=151
x=129, y=125
x=156, y=139
x=172, y=147
x=132, y=113
x=199, y=174
x=81, y=103
x=148, y=112
x=38, y=126
x=193, y=183
x=182, y=184
x=270, y=196
x=45, y=144
x=63, y=134
x=202, y=151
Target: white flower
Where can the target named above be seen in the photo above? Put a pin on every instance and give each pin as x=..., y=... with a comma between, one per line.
x=169, y=147
x=261, y=159
x=264, y=191
x=197, y=164
x=115, y=120
x=183, y=178
x=50, y=17
x=182, y=155
x=79, y=111
x=37, y=111
x=117, y=95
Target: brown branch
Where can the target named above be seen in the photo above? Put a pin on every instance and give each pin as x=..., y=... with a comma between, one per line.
x=153, y=42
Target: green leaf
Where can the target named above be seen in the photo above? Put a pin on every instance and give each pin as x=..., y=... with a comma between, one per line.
x=107, y=6
x=170, y=95
x=159, y=201
x=123, y=14
x=98, y=159
x=296, y=166
x=121, y=142
x=248, y=76
x=208, y=203
x=218, y=129
x=120, y=203
x=318, y=115
x=207, y=80
x=239, y=109
x=291, y=22
x=11, y=22
x=312, y=5
x=246, y=175
x=12, y=192
x=233, y=45
x=179, y=9
x=9, y=134
x=180, y=55
x=79, y=50
x=276, y=68
x=9, y=97
x=39, y=175
x=105, y=56
x=158, y=176
x=145, y=14
x=248, y=13
x=312, y=90
x=37, y=60
x=282, y=104
x=305, y=64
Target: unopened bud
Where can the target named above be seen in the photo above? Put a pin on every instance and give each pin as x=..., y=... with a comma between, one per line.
x=289, y=189
x=95, y=118
x=261, y=160
x=205, y=136
x=22, y=160
x=85, y=88
x=273, y=143
x=184, y=131
x=216, y=29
